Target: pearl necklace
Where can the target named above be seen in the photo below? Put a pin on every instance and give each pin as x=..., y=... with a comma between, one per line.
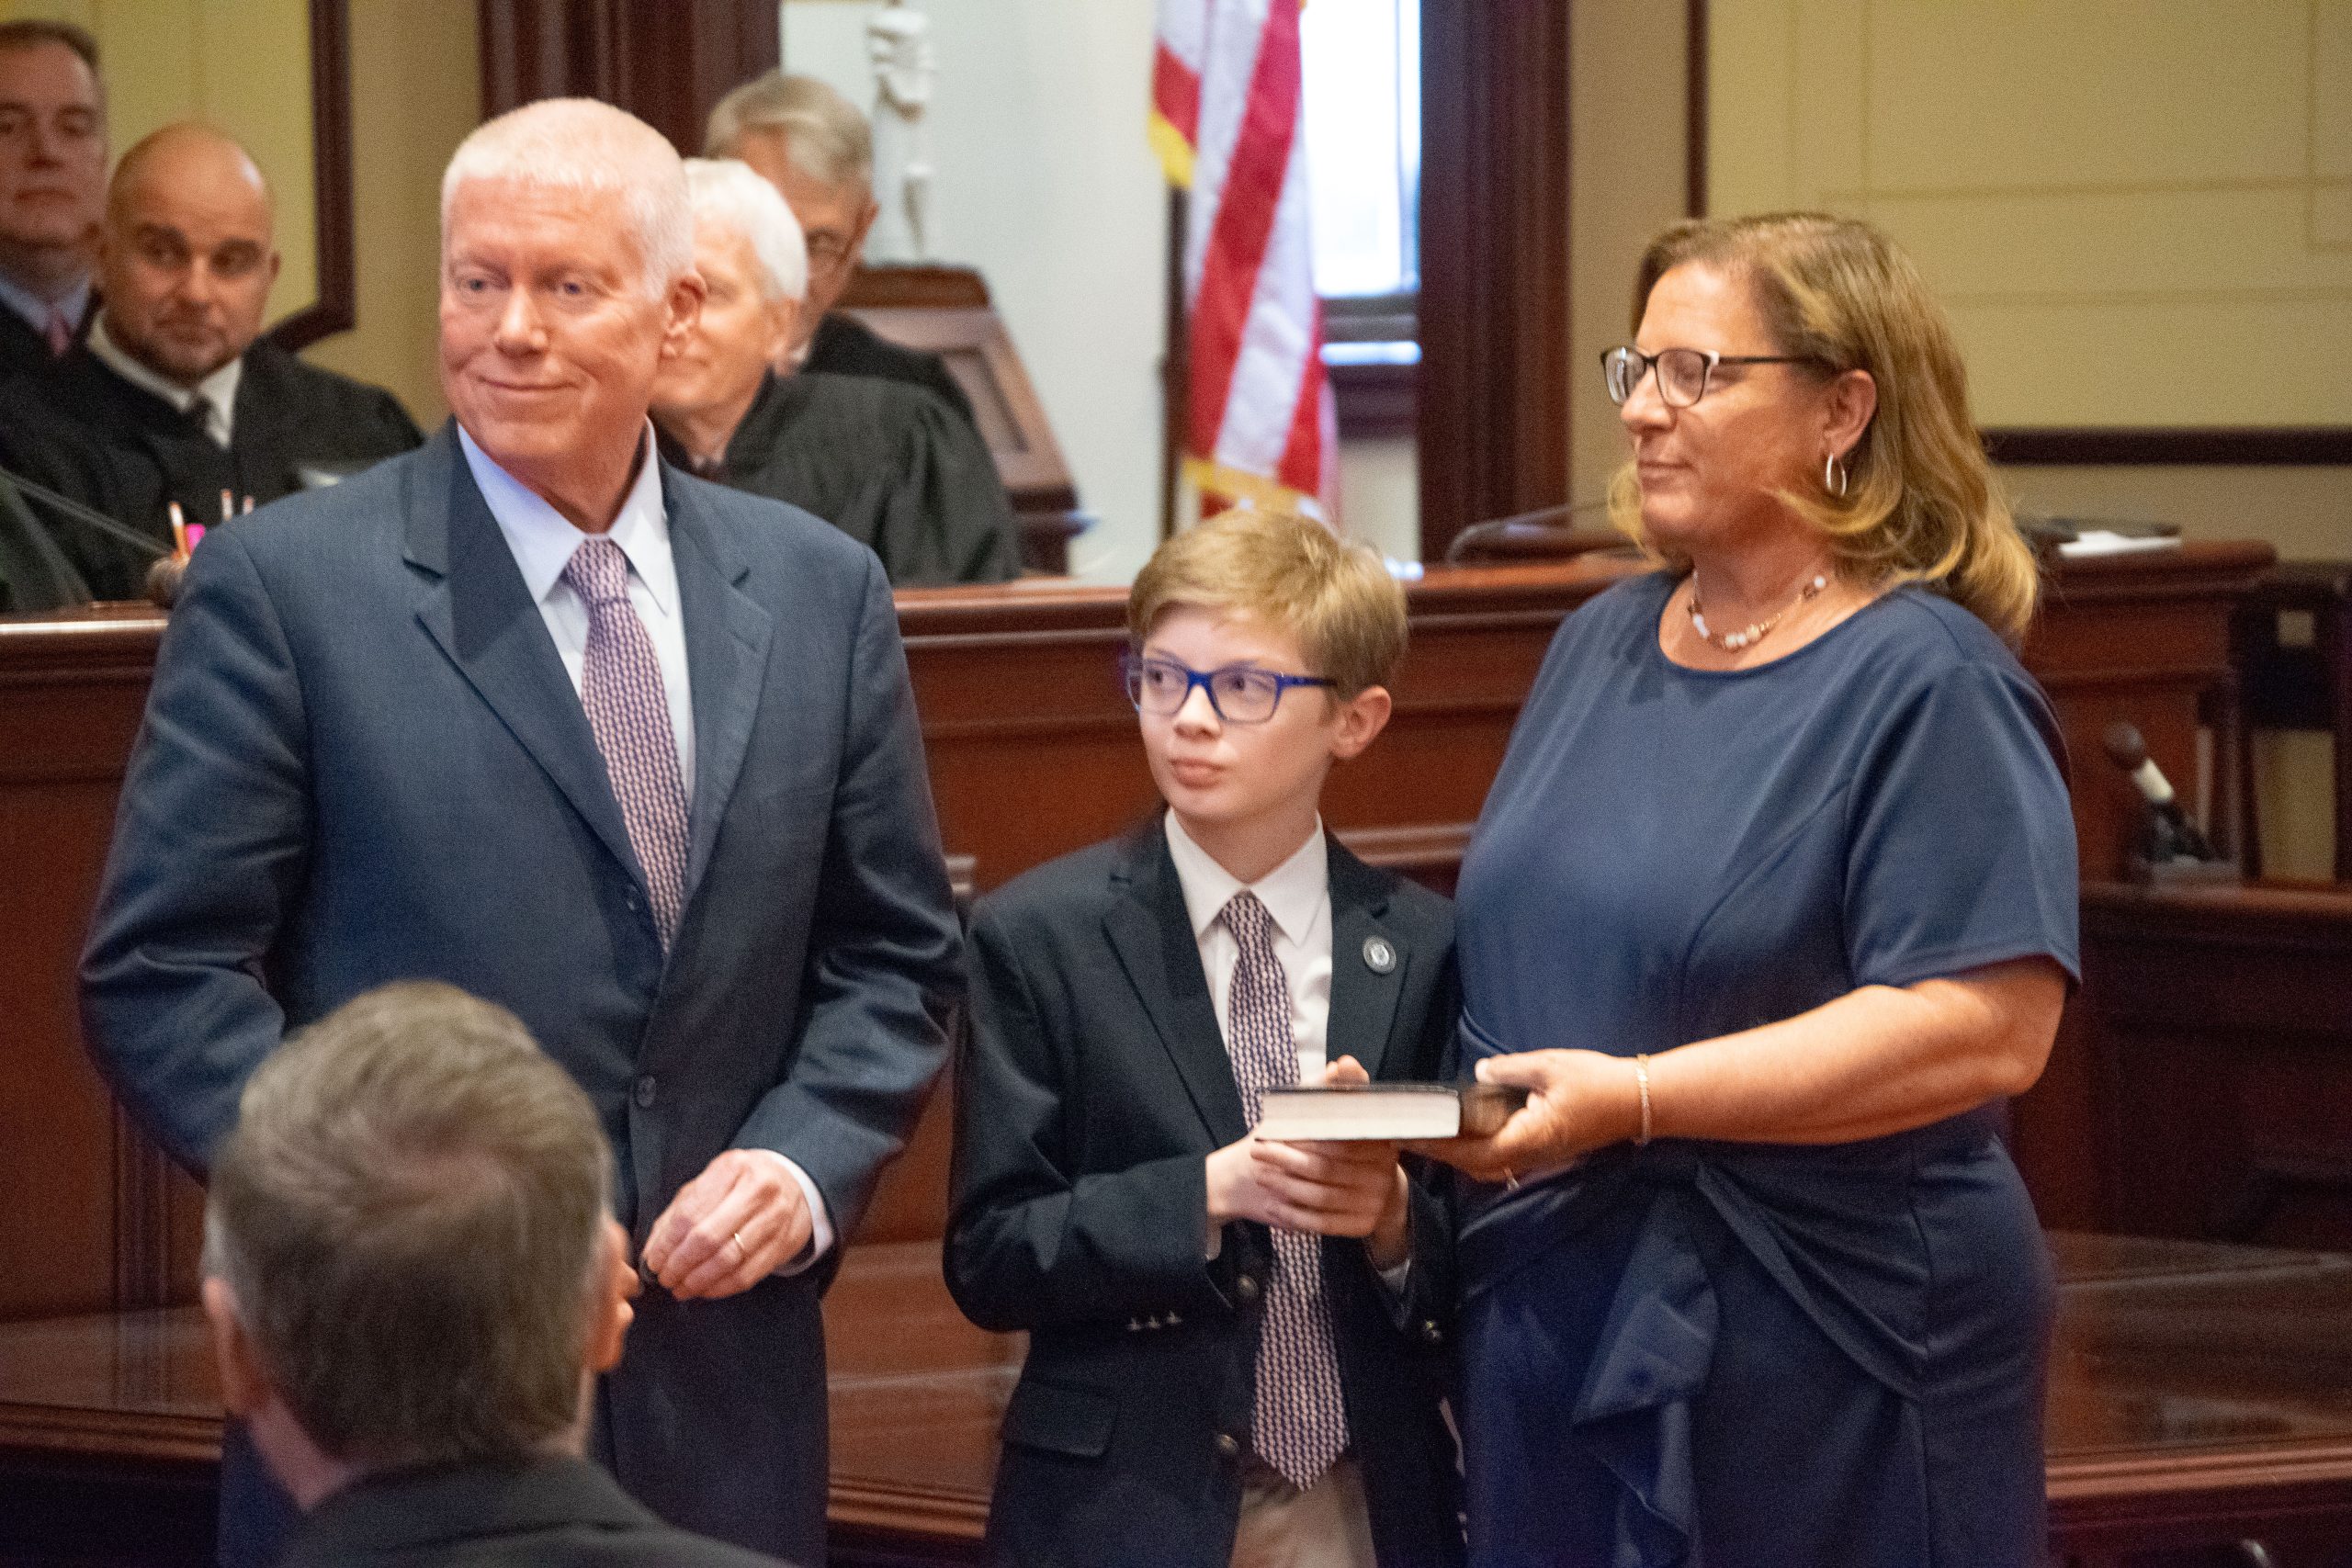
x=1732, y=642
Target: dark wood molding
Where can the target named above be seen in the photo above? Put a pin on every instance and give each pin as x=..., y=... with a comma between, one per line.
x=1377, y=401
x=2253, y=446
x=336, y=306
x=2219, y=445
x=1694, y=100
x=666, y=61
x=1493, y=414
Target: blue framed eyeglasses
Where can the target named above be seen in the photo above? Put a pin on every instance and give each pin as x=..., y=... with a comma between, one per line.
x=1241, y=693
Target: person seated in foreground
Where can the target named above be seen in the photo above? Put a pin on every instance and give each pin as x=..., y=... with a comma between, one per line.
x=177, y=398
x=413, y=1280
x=817, y=149
x=888, y=464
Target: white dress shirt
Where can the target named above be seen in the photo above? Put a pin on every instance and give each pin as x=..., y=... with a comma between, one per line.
x=218, y=389
x=543, y=541
x=1297, y=893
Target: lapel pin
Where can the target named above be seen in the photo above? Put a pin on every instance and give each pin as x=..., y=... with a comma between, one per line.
x=1379, y=955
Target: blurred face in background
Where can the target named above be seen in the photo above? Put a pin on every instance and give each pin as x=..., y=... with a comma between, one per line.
x=53, y=166
x=742, y=332
x=835, y=220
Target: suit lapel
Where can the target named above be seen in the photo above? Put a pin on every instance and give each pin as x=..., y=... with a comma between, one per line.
x=1363, y=999
x=1152, y=934
x=482, y=615
x=727, y=660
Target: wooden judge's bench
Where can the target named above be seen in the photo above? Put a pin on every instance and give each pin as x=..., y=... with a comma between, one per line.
x=2200, y=1393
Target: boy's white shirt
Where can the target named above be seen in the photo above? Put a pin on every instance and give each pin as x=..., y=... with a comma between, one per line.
x=1297, y=893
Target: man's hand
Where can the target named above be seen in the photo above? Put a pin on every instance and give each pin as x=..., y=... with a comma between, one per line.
x=730, y=1227
x=1327, y=1189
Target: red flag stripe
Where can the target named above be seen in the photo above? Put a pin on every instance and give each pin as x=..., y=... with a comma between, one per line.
x=1302, y=465
x=1245, y=220
x=1176, y=93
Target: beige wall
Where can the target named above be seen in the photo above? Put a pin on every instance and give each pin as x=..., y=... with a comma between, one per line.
x=415, y=92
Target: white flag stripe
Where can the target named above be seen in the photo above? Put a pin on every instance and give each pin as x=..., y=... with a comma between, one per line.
x=1271, y=369
x=1184, y=29
x=1227, y=68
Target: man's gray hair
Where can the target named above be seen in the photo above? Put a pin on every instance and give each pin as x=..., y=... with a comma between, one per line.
x=823, y=132
x=409, y=1212
x=731, y=195
x=579, y=144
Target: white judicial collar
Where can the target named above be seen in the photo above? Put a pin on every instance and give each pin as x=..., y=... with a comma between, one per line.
x=218, y=390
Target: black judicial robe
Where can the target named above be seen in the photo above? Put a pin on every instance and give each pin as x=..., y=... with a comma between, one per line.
x=86, y=432
x=888, y=464
x=843, y=346
x=25, y=352
x=35, y=574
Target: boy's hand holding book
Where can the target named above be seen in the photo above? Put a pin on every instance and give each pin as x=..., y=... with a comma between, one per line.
x=1346, y=1189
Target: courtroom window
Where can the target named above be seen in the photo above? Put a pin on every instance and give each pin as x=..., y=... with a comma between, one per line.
x=1361, y=60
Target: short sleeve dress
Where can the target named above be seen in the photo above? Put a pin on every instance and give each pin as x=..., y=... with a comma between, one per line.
x=1760, y=1354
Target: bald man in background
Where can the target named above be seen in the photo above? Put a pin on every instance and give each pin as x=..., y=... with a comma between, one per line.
x=175, y=396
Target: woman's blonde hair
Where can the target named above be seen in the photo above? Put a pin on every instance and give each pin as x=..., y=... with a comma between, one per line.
x=1920, y=504
x=1288, y=573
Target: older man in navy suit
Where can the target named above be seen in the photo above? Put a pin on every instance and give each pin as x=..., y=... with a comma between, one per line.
x=532, y=713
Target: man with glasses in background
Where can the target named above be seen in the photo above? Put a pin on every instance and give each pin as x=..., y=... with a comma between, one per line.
x=814, y=146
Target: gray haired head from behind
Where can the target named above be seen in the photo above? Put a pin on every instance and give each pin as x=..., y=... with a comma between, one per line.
x=580, y=144
x=410, y=1213
x=828, y=136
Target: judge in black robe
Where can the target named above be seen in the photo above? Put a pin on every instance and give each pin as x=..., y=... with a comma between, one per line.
x=890, y=465
x=843, y=346
x=88, y=432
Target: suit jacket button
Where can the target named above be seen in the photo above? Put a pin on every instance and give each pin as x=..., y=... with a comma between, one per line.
x=644, y=1093
x=1227, y=1446
x=1246, y=1287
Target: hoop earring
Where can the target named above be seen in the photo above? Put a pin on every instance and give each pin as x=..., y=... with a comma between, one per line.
x=1833, y=475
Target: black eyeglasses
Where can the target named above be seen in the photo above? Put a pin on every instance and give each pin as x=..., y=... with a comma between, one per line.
x=1241, y=693
x=1682, y=373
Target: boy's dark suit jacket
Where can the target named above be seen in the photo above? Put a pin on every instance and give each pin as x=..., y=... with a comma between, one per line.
x=1095, y=1084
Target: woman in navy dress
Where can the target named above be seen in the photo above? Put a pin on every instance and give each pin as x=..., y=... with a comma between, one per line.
x=1772, y=904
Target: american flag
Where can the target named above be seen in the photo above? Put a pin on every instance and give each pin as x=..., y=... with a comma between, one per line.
x=1226, y=123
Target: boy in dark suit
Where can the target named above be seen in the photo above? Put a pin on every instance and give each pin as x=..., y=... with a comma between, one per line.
x=1233, y=1357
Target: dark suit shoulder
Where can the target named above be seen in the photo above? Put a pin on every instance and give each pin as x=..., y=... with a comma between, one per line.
x=1075, y=887
x=1407, y=902
x=773, y=533
x=367, y=413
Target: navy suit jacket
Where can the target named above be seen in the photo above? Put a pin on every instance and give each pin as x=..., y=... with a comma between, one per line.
x=362, y=761
x=1095, y=1086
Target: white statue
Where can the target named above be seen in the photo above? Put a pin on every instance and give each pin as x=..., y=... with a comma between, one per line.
x=899, y=41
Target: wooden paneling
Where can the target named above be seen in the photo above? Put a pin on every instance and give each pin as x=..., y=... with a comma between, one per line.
x=1033, y=752
x=1493, y=380
x=666, y=61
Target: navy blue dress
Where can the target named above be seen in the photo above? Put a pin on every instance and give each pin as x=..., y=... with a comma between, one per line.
x=1728, y=1354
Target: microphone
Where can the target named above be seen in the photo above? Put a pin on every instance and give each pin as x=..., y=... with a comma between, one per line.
x=163, y=572
x=2167, y=836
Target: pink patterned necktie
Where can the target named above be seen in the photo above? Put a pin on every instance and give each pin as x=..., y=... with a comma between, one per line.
x=1300, y=1424
x=629, y=712
x=60, y=333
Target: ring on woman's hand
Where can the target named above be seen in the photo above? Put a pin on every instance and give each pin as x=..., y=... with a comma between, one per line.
x=740, y=1248
x=1510, y=1181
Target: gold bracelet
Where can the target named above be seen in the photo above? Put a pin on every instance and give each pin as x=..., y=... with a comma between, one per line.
x=1642, y=1081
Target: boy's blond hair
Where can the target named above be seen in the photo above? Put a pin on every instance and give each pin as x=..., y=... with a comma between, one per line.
x=1337, y=599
